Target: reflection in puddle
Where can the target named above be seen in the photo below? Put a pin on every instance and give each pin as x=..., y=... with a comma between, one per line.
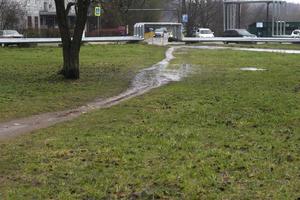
x=252, y=69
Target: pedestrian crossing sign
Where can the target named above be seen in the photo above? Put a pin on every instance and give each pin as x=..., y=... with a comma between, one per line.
x=98, y=11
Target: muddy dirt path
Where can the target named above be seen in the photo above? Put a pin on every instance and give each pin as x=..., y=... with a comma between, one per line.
x=147, y=79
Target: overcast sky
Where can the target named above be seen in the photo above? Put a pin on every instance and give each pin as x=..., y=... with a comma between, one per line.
x=294, y=1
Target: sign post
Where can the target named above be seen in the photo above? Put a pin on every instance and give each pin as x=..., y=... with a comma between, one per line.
x=185, y=18
x=259, y=25
x=98, y=15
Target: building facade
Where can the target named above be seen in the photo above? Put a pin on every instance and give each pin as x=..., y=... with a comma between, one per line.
x=40, y=14
x=40, y=20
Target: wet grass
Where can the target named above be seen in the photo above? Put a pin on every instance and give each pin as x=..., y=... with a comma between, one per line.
x=222, y=133
x=287, y=46
x=269, y=46
x=29, y=83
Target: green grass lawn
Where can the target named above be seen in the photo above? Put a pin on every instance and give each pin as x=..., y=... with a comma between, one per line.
x=222, y=133
x=29, y=83
x=259, y=45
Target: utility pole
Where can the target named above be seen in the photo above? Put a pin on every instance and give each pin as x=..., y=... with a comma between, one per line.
x=267, y=20
x=183, y=9
x=183, y=13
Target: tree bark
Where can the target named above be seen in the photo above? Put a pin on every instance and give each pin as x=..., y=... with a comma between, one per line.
x=70, y=68
x=71, y=42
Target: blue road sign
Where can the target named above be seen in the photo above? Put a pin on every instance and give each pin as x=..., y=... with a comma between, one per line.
x=185, y=18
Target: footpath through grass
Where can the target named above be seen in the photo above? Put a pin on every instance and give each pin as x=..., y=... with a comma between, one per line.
x=29, y=83
x=222, y=133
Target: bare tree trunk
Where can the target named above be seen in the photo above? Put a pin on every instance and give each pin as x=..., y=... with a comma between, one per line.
x=70, y=68
x=71, y=42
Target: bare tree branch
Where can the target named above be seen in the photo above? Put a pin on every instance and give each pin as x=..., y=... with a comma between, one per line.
x=69, y=6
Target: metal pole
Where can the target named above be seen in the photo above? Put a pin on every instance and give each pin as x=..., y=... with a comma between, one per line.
x=139, y=30
x=285, y=10
x=143, y=31
x=228, y=16
x=98, y=26
x=183, y=9
x=273, y=18
x=277, y=18
x=224, y=15
x=267, y=20
x=233, y=15
x=239, y=15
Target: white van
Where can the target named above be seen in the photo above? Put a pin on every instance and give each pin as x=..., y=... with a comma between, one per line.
x=204, y=33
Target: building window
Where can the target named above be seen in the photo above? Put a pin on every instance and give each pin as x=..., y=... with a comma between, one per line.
x=36, y=22
x=42, y=23
x=29, y=22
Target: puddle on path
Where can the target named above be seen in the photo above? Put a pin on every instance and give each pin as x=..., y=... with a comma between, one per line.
x=145, y=80
x=251, y=69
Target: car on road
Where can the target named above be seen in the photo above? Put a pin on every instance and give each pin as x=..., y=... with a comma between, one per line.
x=296, y=33
x=10, y=34
x=160, y=32
x=243, y=33
x=204, y=33
x=6, y=34
x=238, y=33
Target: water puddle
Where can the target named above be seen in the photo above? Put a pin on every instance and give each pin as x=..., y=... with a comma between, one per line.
x=252, y=69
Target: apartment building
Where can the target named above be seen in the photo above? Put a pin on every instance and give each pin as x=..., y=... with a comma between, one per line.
x=40, y=20
x=40, y=14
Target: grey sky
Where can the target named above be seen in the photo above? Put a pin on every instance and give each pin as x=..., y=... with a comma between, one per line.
x=294, y=1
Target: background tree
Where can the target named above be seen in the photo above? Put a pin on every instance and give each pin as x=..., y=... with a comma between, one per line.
x=118, y=13
x=132, y=17
x=203, y=13
x=11, y=14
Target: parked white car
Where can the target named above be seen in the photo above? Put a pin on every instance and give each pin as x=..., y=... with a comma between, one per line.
x=296, y=33
x=10, y=34
x=204, y=33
